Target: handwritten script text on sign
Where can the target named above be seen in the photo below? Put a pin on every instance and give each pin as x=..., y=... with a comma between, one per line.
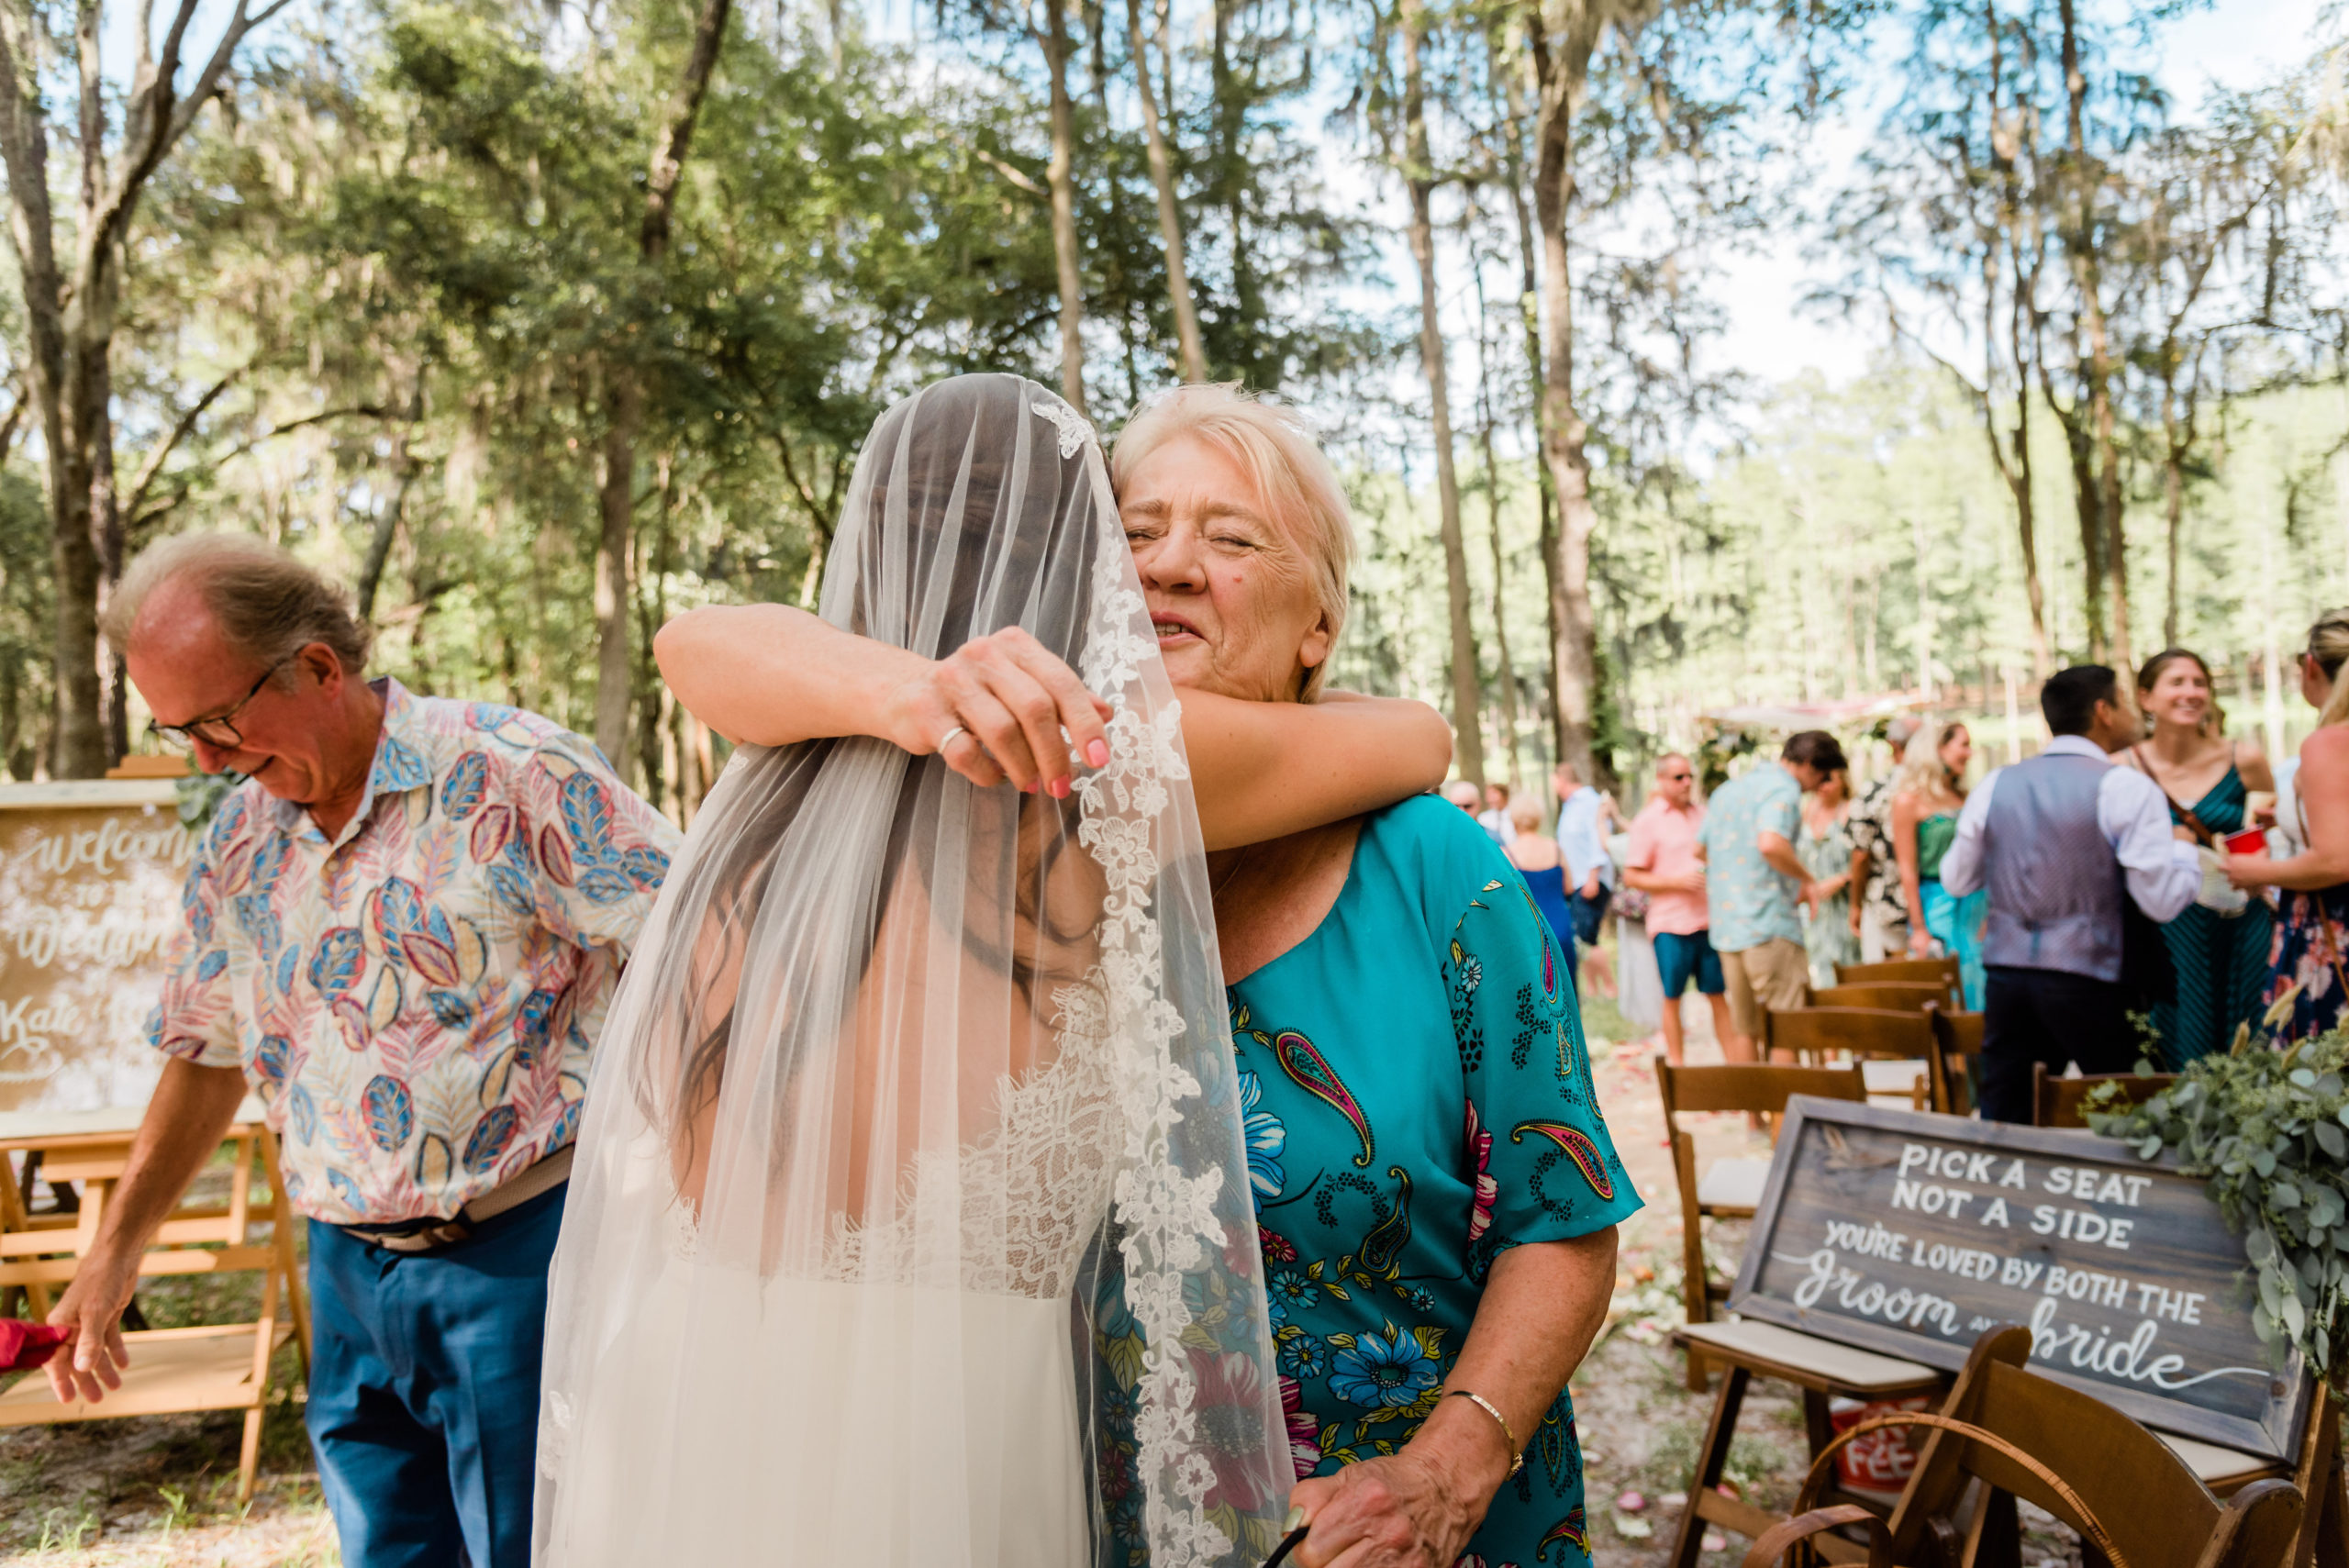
x=1914, y=1238
x=89, y=899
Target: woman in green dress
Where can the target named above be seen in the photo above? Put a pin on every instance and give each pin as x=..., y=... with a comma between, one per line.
x=2220, y=960
x=1927, y=797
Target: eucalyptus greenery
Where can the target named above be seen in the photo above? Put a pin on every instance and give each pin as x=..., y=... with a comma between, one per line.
x=2268, y=1131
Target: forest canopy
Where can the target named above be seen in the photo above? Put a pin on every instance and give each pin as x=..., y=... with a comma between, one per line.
x=540, y=323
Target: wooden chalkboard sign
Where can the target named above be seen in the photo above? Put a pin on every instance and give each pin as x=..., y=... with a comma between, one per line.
x=1910, y=1233
x=90, y=879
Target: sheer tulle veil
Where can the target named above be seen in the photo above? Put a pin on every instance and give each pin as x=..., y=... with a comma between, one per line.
x=910, y=1221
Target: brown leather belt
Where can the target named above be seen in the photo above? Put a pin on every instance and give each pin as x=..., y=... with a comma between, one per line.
x=431, y=1235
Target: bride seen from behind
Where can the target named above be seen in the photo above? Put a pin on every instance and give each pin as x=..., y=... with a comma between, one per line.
x=907, y=1060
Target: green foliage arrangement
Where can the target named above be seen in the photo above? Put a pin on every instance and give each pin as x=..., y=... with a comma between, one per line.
x=2268, y=1131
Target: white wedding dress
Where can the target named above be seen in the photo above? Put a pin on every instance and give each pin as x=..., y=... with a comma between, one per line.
x=905, y=1081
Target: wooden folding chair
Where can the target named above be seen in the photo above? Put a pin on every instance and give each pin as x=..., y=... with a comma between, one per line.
x=2060, y=1102
x=1730, y=1188
x=1943, y=971
x=2123, y=1491
x=211, y=1367
x=1893, y=1047
x=1958, y=1038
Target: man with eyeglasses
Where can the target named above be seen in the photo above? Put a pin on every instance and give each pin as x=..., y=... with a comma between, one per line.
x=403, y=926
x=1663, y=864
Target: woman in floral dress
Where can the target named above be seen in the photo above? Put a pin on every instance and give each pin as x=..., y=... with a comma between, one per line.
x=2308, y=963
x=1436, y=1192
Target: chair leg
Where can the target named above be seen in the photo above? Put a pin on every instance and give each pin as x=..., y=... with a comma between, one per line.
x=1697, y=1376
x=248, y=1456
x=1816, y=1424
x=1710, y=1460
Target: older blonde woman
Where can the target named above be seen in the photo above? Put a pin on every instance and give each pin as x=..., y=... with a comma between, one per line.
x=1435, y=1189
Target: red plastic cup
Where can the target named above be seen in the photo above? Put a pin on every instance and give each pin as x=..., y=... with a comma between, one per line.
x=2250, y=841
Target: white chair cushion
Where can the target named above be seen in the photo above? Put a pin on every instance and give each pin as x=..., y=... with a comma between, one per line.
x=1734, y=1183
x=1891, y=1074
x=1838, y=1363
x=2215, y=1466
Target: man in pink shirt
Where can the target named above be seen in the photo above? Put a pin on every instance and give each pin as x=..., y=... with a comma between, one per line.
x=1663, y=864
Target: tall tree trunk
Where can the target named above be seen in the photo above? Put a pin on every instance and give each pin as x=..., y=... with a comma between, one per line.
x=2009, y=139
x=624, y=394
x=1193, y=352
x=1574, y=658
x=2102, y=505
x=2176, y=436
x=1529, y=305
x=1060, y=175
x=1467, y=676
x=70, y=322
x=1493, y=534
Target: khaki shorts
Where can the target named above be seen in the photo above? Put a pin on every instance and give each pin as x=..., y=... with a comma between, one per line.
x=1777, y=975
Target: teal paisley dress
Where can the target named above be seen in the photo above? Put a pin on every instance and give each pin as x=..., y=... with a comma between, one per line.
x=1418, y=1100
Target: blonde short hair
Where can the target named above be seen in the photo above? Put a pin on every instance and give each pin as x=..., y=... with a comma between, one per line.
x=1273, y=447
x=268, y=604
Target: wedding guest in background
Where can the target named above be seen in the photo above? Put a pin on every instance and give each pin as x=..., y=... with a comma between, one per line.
x=2311, y=938
x=380, y=842
x=2220, y=960
x=1464, y=794
x=1929, y=795
x=1498, y=820
x=1639, y=985
x=1825, y=850
x=1538, y=858
x=1664, y=866
x=1584, y=817
x=2057, y=841
x=1754, y=883
x=1879, y=916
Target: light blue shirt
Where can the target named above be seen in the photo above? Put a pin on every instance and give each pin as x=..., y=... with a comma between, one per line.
x=1580, y=841
x=1748, y=900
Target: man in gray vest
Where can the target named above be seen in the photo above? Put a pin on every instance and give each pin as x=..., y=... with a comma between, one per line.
x=2061, y=839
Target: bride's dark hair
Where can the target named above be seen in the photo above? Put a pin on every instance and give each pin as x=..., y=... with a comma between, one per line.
x=968, y=520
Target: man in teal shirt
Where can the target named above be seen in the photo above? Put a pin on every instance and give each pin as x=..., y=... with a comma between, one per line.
x=1756, y=885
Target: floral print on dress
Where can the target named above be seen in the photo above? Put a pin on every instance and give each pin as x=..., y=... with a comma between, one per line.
x=1385, y=1063
x=415, y=1000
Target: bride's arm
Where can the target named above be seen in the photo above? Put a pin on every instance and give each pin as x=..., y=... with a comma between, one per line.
x=770, y=675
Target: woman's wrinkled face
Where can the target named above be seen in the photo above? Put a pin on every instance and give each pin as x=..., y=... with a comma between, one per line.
x=1956, y=751
x=2181, y=694
x=1229, y=593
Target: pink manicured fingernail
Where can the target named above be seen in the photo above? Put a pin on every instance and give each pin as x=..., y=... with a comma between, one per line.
x=1029, y=788
x=1060, y=789
x=1098, y=754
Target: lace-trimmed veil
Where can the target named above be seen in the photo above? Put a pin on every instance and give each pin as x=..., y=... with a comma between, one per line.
x=910, y=1221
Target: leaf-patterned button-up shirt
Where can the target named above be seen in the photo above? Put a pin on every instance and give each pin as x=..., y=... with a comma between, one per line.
x=414, y=1000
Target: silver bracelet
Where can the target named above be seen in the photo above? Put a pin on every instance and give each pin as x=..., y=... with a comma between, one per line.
x=1516, y=1459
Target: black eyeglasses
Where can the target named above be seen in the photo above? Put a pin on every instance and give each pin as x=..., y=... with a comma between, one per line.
x=219, y=731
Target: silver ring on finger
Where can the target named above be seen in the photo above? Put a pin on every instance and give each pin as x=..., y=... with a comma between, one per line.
x=947, y=739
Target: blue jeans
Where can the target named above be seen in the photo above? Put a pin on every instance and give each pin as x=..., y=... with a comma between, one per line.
x=423, y=1390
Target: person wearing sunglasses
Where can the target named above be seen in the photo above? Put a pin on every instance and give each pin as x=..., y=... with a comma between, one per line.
x=403, y=929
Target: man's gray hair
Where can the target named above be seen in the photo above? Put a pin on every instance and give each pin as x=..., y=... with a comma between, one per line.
x=268, y=604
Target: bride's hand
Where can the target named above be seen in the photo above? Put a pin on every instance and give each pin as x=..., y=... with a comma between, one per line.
x=1011, y=699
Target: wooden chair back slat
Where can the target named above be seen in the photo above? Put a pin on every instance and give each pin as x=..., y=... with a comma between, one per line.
x=2061, y=1101
x=1862, y=1031
x=1759, y=1089
x=1940, y=971
x=2110, y=1463
x=1899, y=996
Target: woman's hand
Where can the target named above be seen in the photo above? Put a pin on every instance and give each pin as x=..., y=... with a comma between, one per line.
x=1405, y=1511
x=1022, y=712
x=2250, y=873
